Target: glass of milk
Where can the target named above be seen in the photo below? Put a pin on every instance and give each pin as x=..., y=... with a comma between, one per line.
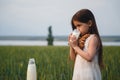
x=75, y=33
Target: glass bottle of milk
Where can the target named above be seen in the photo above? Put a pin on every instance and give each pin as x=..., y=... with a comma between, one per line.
x=31, y=70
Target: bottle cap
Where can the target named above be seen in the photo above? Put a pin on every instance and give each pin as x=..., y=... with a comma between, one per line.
x=32, y=61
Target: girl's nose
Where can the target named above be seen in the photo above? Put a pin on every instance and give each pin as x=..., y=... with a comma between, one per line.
x=77, y=28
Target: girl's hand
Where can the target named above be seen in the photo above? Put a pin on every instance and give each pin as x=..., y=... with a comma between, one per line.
x=69, y=37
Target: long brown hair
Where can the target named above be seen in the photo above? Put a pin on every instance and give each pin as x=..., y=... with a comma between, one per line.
x=84, y=16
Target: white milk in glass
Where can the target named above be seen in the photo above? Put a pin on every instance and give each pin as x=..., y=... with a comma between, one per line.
x=75, y=33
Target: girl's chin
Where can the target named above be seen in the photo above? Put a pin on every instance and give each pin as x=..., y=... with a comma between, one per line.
x=82, y=33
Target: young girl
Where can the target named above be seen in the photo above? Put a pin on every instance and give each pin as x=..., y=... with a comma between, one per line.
x=86, y=51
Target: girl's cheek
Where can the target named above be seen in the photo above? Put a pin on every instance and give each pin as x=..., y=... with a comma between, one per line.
x=79, y=29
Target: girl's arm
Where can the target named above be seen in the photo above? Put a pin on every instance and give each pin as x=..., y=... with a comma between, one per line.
x=89, y=54
x=72, y=54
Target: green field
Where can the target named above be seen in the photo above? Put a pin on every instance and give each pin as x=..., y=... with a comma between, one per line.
x=52, y=62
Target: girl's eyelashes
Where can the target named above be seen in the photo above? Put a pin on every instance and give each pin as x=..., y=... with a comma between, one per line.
x=78, y=25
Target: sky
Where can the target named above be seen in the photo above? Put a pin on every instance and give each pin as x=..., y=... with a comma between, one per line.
x=33, y=17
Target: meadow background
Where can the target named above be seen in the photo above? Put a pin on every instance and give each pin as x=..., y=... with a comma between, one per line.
x=52, y=62
x=23, y=33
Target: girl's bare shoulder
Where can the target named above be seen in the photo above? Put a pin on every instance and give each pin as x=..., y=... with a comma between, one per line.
x=93, y=40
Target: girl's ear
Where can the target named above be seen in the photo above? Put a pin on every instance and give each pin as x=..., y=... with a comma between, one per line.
x=89, y=23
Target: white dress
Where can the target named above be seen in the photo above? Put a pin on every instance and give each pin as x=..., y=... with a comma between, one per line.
x=85, y=70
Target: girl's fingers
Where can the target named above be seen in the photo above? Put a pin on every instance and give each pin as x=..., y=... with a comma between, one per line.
x=69, y=37
x=73, y=38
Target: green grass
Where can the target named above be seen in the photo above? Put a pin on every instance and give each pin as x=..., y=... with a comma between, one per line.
x=52, y=62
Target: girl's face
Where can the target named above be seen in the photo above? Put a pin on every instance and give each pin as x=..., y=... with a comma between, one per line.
x=82, y=27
